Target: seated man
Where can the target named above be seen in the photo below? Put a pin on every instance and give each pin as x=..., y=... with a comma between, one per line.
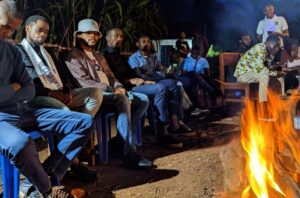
x=156, y=92
x=16, y=118
x=89, y=68
x=244, y=43
x=290, y=61
x=182, y=47
x=196, y=68
x=50, y=91
x=251, y=67
x=148, y=68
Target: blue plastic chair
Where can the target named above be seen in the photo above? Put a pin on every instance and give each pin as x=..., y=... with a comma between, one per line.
x=103, y=127
x=11, y=175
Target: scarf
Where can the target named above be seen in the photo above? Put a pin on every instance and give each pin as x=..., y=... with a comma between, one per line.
x=47, y=73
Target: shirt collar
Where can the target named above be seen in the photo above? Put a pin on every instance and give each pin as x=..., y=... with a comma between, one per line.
x=113, y=50
x=275, y=17
x=139, y=53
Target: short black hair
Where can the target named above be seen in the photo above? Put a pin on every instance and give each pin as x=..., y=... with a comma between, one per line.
x=289, y=42
x=109, y=29
x=269, y=4
x=141, y=35
x=242, y=34
x=196, y=48
x=34, y=18
x=273, y=38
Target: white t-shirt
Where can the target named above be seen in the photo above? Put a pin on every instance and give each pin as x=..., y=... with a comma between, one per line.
x=294, y=63
x=276, y=24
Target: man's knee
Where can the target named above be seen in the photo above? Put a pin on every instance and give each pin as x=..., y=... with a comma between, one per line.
x=169, y=83
x=98, y=95
x=21, y=144
x=86, y=122
x=143, y=98
x=160, y=90
x=263, y=78
x=122, y=100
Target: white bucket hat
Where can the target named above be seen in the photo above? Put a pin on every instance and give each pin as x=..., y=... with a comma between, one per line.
x=87, y=25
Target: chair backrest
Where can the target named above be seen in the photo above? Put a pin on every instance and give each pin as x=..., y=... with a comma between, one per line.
x=228, y=59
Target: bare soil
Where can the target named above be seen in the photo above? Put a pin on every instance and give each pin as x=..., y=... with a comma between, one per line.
x=193, y=171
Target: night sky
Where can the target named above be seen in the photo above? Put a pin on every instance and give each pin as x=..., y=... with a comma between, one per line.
x=224, y=20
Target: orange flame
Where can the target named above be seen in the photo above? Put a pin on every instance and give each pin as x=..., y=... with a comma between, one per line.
x=266, y=129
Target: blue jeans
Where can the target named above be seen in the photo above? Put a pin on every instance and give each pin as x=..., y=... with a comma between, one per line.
x=173, y=95
x=158, y=94
x=71, y=128
x=129, y=113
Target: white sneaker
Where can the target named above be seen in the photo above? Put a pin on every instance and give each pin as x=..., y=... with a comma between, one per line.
x=199, y=112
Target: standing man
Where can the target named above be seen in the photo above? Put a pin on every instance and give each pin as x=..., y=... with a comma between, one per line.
x=201, y=41
x=16, y=119
x=51, y=90
x=272, y=25
x=90, y=69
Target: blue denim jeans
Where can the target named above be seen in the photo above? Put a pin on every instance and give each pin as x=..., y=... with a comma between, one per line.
x=158, y=94
x=128, y=113
x=173, y=95
x=72, y=130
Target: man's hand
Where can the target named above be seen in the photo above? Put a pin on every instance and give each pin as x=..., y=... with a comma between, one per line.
x=281, y=74
x=16, y=86
x=149, y=82
x=136, y=81
x=274, y=33
x=171, y=70
x=120, y=90
x=61, y=96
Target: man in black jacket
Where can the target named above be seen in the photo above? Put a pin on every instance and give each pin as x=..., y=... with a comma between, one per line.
x=16, y=119
x=157, y=92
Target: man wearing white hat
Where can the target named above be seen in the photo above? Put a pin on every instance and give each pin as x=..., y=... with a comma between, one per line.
x=72, y=129
x=52, y=91
x=90, y=69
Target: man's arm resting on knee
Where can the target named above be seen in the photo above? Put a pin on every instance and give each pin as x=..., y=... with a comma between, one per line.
x=21, y=88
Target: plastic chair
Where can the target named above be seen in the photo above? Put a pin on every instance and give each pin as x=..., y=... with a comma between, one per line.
x=103, y=126
x=11, y=175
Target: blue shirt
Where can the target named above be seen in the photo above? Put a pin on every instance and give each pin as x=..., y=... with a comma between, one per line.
x=197, y=65
x=149, y=63
x=147, y=68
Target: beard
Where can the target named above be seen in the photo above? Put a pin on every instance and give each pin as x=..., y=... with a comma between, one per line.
x=146, y=49
x=37, y=43
x=84, y=43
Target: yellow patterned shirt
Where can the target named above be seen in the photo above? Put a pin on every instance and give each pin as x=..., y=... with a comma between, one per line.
x=252, y=61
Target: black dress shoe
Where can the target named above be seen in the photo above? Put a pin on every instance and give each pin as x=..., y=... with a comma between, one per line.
x=133, y=160
x=83, y=173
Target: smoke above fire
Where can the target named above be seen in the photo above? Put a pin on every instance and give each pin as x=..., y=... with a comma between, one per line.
x=236, y=16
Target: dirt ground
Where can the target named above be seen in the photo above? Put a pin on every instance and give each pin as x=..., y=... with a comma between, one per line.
x=193, y=171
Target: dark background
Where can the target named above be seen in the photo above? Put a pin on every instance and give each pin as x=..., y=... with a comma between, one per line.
x=224, y=20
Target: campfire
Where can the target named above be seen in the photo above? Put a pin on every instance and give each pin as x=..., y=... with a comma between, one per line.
x=272, y=148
